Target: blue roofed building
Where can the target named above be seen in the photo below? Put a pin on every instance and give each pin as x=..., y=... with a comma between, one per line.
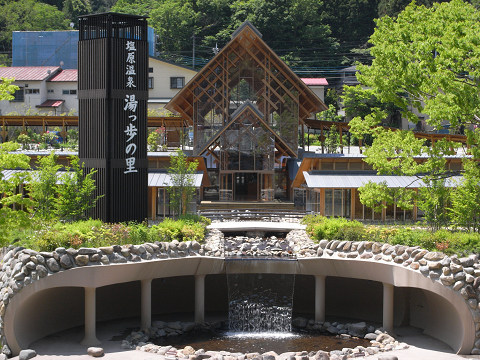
x=53, y=48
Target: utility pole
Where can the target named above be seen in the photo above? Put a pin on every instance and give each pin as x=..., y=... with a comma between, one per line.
x=193, y=55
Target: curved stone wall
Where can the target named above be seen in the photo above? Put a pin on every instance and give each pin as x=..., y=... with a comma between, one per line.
x=30, y=280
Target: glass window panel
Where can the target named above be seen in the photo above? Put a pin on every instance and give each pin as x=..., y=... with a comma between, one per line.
x=328, y=202
x=338, y=202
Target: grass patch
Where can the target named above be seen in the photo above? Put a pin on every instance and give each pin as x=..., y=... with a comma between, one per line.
x=450, y=242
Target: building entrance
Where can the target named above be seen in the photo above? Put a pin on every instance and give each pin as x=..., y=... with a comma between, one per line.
x=246, y=186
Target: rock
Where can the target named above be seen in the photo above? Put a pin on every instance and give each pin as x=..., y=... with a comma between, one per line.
x=433, y=265
x=87, y=251
x=299, y=322
x=459, y=276
x=65, y=261
x=455, y=267
x=466, y=261
x=6, y=350
x=376, y=248
x=415, y=265
x=42, y=270
x=332, y=330
x=357, y=329
x=321, y=355
x=27, y=354
x=338, y=356
x=108, y=250
x=188, y=350
x=82, y=260
x=323, y=244
x=470, y=292
x=3, y=357
x=371, y=336
x=458, y=285
x=117, y=258
x=473, y=304
x=95, y=351
x=384, y=339
x=419, y=255
x=52, y=265
x=447, y=280
x=434, y=256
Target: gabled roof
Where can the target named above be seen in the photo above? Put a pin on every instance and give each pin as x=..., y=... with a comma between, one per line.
x=29, y=73
x=249, y=35
x=66, y=75
x=249, y=107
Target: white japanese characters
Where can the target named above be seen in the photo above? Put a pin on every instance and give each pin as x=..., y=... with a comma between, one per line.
x=130, y=107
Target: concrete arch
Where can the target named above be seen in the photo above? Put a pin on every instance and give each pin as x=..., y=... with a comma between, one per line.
x=38, y=296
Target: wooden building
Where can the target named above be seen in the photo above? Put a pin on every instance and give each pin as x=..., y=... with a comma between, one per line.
x=246, y=108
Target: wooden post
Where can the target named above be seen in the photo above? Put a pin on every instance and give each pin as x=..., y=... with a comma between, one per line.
x=352, y=204
x=154, y=202
x=322, y=201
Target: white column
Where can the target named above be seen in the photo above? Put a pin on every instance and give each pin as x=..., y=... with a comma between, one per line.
x=199, y=299
x=388, y=307
x=146, y=310
x=319, y=298
x=90, y=338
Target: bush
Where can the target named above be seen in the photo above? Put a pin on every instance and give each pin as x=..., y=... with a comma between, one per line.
x=186, y=228
x=320, y=227
x=94, y=233
x=446, y=241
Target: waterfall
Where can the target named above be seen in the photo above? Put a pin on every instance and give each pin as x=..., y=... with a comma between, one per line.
x=260, y=301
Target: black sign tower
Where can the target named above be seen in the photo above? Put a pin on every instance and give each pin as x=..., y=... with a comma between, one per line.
x=112, y=93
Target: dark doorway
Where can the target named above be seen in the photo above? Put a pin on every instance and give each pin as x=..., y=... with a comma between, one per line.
x=246, y=186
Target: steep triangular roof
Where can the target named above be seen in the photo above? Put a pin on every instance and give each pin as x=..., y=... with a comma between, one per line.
x=250, y=108
x=255, y=49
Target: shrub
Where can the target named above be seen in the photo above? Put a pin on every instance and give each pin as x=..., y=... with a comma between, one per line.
x=335, y=228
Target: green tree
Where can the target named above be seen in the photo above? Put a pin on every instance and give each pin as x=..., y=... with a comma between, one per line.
x=174, y=22
x=23, y=139
x=42, y=186
x=182, y=174
x=75, y=192
x=359, y=101
x=7, y=89
x=332, y=140
x=152, y=140
x=134, y=7
x=14, y=207
x=427, y=61
x=75, y=8
x=424, y=61
x=465, y=198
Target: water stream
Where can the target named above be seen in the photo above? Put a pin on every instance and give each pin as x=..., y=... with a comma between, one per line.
x=259, y=301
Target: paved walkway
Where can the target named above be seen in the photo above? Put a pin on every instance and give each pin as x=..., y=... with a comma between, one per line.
x=65, y=345
x=274, y=226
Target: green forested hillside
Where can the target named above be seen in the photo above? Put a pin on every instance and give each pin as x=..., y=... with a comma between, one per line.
x=315, y=37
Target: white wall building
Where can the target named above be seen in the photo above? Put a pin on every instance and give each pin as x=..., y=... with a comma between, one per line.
x=51, y=90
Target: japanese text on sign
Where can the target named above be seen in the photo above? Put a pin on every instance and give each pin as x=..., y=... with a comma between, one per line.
x=131, y=108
